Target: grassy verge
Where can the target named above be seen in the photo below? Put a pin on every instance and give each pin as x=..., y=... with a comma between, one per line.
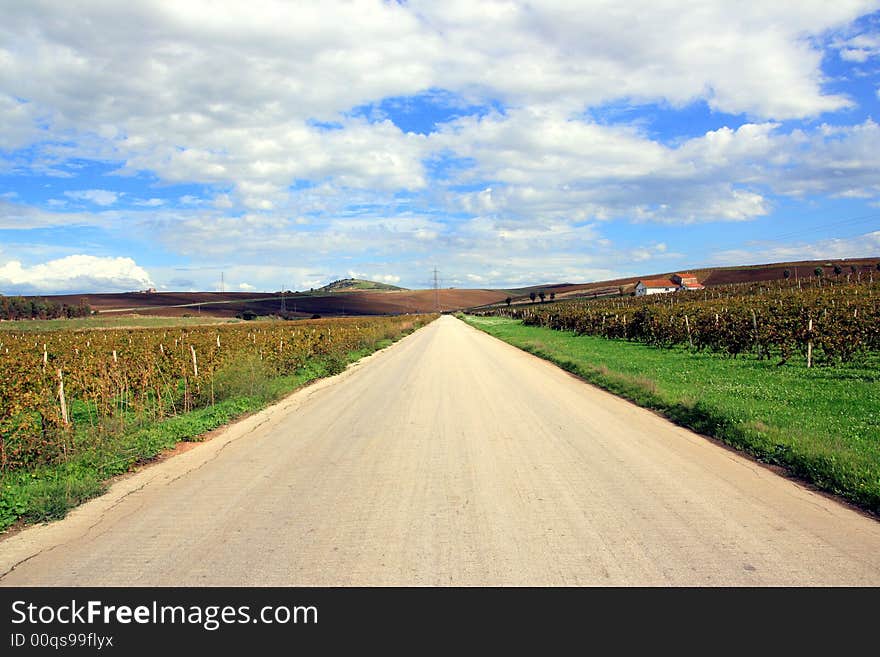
x=49, y=492
x=822, y=424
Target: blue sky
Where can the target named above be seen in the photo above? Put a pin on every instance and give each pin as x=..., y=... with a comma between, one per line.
x=156, y=144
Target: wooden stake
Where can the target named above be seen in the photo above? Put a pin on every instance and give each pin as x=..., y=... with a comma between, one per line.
x=810, y=343
x=755, y=328
x=195, y=363
x=687, y=325
x=61, y=398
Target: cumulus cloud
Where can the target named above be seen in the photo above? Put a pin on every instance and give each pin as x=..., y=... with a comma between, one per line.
x=213, y=92
x=378, y=277
x=859, y=48
x=18, y=126
x=74, y=274
x=101, y=197
x=277, y=109
x=546, y=164
x=150, y=202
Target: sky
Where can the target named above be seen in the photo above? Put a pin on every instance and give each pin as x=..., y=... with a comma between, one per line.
x=166, y=144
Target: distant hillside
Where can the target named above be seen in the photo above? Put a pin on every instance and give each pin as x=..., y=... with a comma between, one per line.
x=388, y=299
x=350, y=284
x=707, y=276
x=302, y=304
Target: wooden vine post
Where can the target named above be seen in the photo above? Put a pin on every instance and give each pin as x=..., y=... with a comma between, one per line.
x=755, y=329
x=64, y=415
x=810, y=343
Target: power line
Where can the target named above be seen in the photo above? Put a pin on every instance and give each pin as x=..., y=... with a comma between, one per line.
x=849, y=222
x=436, y=290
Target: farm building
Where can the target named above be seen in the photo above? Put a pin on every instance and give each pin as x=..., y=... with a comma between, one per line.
x=674, y=283
x=655, y=286
x=687, y=281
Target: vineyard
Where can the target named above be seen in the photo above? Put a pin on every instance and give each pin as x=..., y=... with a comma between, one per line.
x=824, y=322
x=54, y=383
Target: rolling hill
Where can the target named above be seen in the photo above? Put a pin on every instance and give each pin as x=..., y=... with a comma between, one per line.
x=359, y=297
x=352, y=284
x=303, y=304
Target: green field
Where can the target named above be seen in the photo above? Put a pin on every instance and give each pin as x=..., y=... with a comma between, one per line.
x=822, y=423
x=108, y=321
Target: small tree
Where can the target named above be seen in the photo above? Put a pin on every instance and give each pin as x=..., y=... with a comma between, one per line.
x=532, y=296
x=508, y=301
x=553, y=296
x=542, y=295
x=838, y=270
x=818, y=272
x=786, y=274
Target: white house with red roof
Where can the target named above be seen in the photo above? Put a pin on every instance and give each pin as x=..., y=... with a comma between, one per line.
x=675, y=283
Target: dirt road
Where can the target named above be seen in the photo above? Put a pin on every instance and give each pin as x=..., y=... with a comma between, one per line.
x=452, y=459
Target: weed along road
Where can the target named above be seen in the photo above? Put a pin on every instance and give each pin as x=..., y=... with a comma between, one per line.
x=452, y=458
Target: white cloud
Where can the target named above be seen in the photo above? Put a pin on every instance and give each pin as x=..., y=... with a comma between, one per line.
x=255, y=101
x=18, y=216
x=859, y=48
x=213, y=92
x=150, y=202
x=651, y=252
x=377, y=277
x=222, y=202
x=18, y=127
x=547, y=165
x=74, y=274
x=550, y=166
x=102, y=197
x=391, y=279
x=245, y=287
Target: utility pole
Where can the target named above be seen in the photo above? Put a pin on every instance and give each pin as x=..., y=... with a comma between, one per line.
x=436, y=291
x=283, y=300
x=222, y=282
